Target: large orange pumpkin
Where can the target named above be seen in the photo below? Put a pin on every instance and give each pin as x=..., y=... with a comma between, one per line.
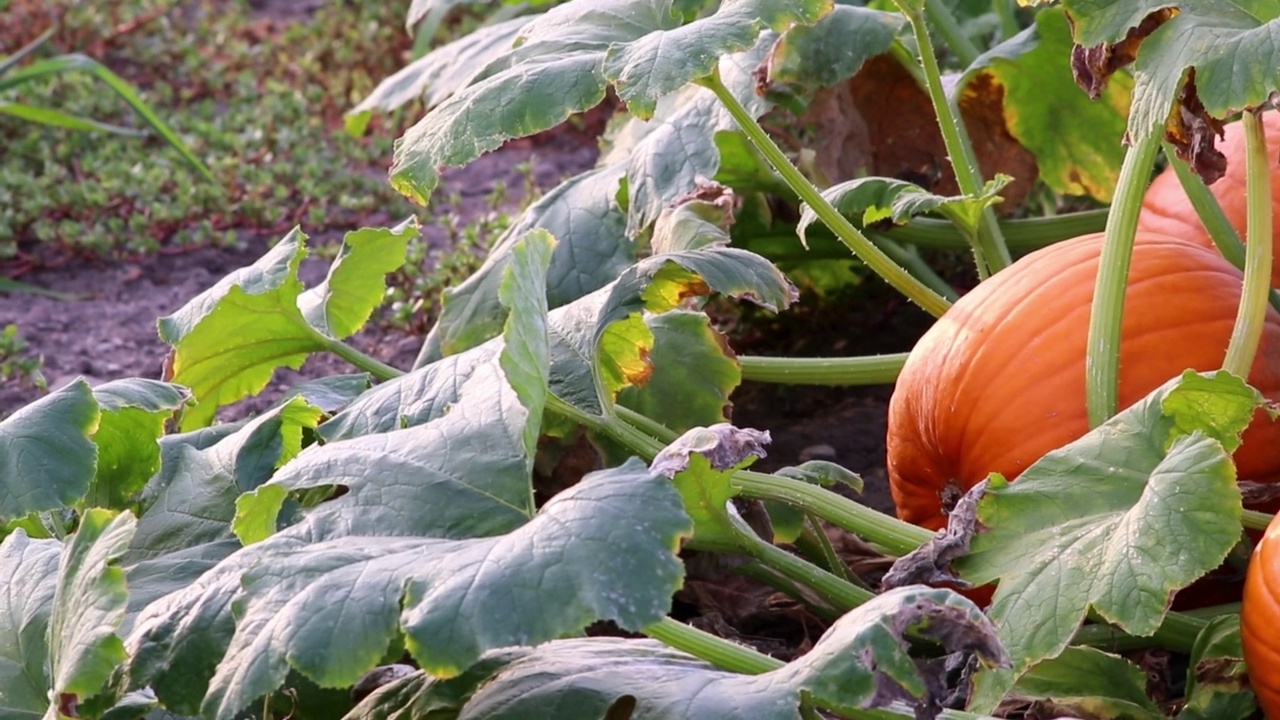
x=999, y=380
x=1260, y=618
x=1166, y=209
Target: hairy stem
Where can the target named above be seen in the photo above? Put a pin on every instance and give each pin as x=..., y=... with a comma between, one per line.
x=1103, y=360
x=871, y=370
x=990, y=251
x=1247, y=333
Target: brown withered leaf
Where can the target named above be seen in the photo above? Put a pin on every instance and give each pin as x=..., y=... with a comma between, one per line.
x=931, y=562
x=1193, y=132
x=1092, y=67
x=881, y=122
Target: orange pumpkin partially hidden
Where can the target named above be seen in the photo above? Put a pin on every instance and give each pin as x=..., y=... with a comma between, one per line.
x=1166, y=209
x=999, y=380
x=1260, y=618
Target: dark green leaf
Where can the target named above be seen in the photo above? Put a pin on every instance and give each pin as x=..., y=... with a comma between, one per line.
x=834, y=48
x=47, y=460
x=89, y=604
x=31, y=571
x=603, y=549
x=1218, y=681
x=864, y=661
x=1115, y=521
x=1090, y=683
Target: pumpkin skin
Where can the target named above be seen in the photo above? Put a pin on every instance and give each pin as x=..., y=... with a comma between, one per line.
x=1166, y=209
x=1260, y=618
x=999, y=380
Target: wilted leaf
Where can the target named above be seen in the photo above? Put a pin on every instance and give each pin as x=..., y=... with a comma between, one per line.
x=695, y=371
x=1218, y=680
x=1217, y=56
x=1081, y=157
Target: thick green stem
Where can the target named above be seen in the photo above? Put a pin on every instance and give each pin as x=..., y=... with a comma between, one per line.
x=1247, y=333
x=1103, y=360
x=839, y=592
x=373, y=366
x=892, y=534
x=911, y=261
x=941, y=19
x=875, y=259
x=717, y=651
x=1177, y=632
x=1254, y=520
x=645, y=424
x=871, y=370
x=990, y=252
x=1021, y=234
x=1222, y=233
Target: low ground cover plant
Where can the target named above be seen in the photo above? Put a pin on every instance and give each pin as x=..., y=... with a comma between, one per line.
x=389, y=543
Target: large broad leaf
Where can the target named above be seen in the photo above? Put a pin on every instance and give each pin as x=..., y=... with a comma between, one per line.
x=1230, y=44
x=134, y=412
x=463, y=473
x=47, y=459
x=1081, y=157
x=438, y=74
x=88, y=606
x=30, y=568
x=603, y=549
x=578, y=332
x=1090, y=683
x=694, y=373
x=867, y=659
x=834, y=48
x=1115, y=521
x=191, y=502
x=583, y=214
x=229, y=340
x=676, y=149
x=563, y=63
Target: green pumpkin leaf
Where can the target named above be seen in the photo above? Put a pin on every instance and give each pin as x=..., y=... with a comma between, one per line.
x=563, y=62
x=700, y=463
x=694, y=373
x=875, y=199
x=866, y=660
x=834, y=48
x=229, y=340
x=438, y=74
x=1113, y=522
x=1081, y=157
x=1090, y=683
x=592, y=249
x=47, y=459
x=192, y=501
x=454, y=599
x=1218, y=680
x=31, y=571
x=88, y=606
x=134, y=412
